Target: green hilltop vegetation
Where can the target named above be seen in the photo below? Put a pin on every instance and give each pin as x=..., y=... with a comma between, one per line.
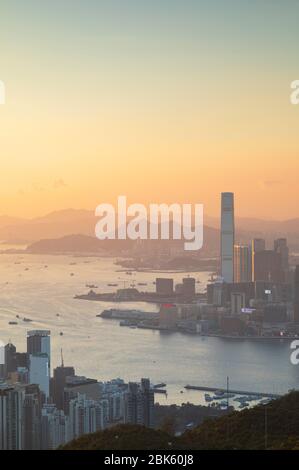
x=272, y=426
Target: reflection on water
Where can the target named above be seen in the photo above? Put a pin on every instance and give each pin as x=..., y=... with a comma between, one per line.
x=41, y=288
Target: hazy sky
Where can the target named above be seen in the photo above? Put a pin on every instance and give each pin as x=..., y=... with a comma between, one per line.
x=159, y=100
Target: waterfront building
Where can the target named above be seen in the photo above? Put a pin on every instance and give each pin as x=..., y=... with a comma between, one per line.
x=188, y=287
x=238, y=302
x=164, y=286
x=168, y=316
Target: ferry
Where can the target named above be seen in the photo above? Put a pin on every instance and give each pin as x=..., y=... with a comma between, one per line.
x=128, y=314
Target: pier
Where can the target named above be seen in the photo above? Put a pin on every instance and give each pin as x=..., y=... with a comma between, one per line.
x=236, y=392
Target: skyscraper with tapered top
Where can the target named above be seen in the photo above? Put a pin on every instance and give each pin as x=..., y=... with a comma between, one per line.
x=227, y=237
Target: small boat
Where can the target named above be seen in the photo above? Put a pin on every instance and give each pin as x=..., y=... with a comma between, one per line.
x=27, y=320
x=91, y=286
x=223, y=406
x=208, y=397
x=244, y=404
x=142, y=284
x=12, y=323
x=111, y=284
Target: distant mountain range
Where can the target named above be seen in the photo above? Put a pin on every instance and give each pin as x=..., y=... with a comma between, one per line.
x=73, y=221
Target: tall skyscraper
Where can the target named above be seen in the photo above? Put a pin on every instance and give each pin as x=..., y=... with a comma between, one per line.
x=296, y=295
x=60, y=375
x=38, y=342
x=257, y=245
x=227, y=237
x=39, y=372
x=242, y=263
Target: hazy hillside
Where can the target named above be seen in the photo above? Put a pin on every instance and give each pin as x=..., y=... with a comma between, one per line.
x=71, y=221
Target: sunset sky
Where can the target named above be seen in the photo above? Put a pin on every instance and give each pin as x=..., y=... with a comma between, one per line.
x=160, y=100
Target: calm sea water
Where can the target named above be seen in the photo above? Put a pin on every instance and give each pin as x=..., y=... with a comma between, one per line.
x=102, y=349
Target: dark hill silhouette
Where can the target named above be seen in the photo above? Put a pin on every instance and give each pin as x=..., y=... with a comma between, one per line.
x=237, y=430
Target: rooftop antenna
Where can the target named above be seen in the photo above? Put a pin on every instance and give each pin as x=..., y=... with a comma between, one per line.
x=62, y=362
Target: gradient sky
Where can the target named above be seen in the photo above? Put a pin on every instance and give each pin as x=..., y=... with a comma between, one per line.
x=160, y=100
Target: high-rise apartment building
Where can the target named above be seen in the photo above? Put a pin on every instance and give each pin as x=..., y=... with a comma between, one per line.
x=32, y=418
x=85, y=416
x=242, y=263
x=54, y=427
x=139, y=404
x=11, y=404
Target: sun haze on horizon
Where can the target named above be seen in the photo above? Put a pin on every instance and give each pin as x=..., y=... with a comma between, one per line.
x=161, y=101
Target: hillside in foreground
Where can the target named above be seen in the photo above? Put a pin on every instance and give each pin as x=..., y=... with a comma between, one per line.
x=274, y=426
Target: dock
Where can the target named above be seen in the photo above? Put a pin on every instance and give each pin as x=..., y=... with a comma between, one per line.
x=236, y=392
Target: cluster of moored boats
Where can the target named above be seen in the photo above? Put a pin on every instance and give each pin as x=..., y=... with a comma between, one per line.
x=242, y=400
